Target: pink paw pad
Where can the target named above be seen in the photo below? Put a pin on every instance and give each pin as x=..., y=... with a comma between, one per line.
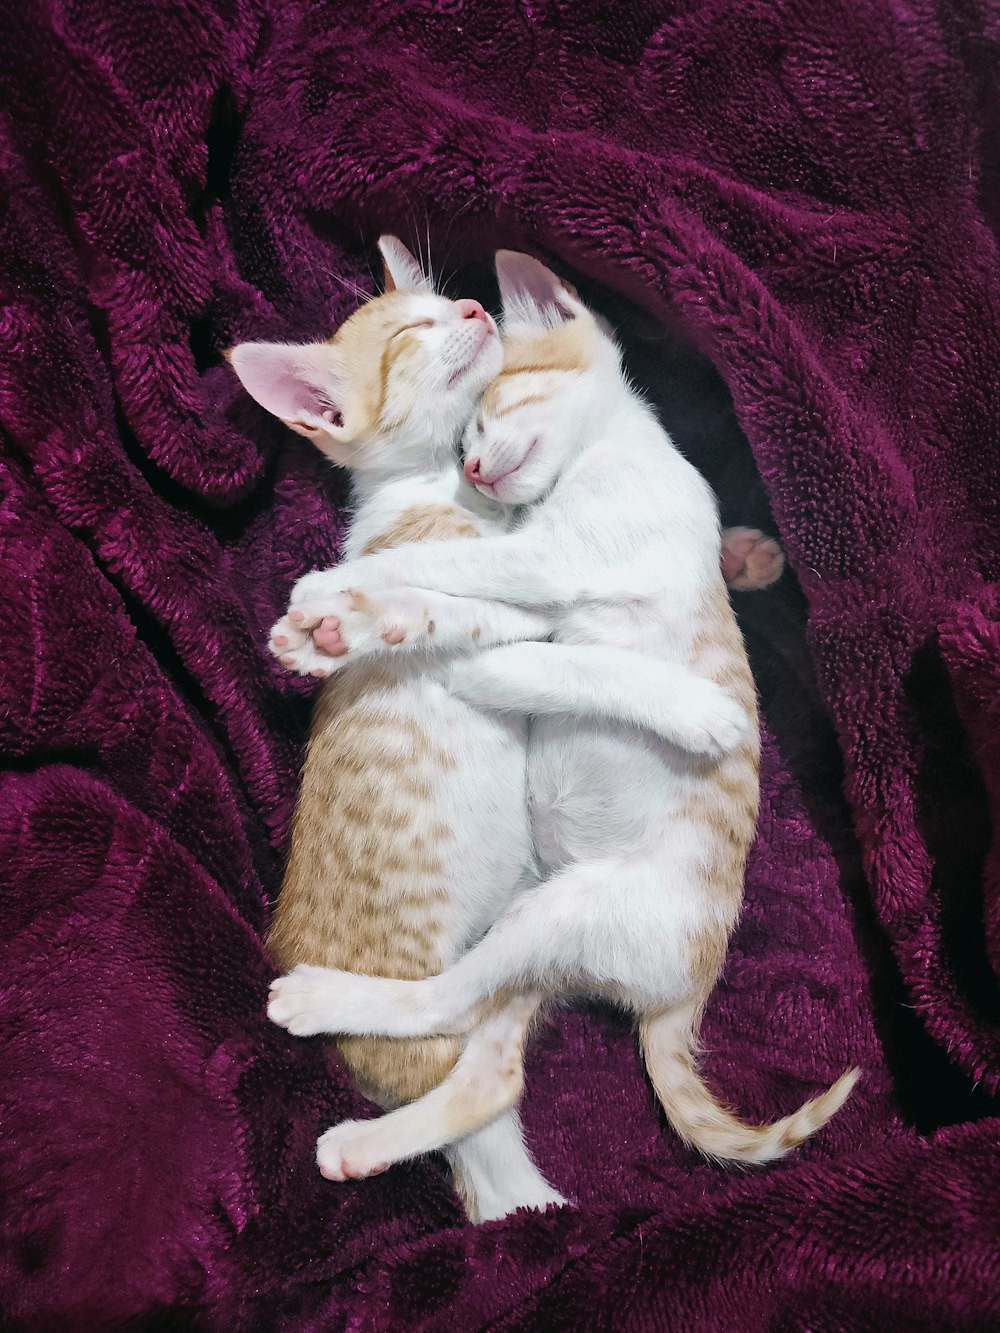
x=360, y=1173
x=750, y=560
x=326, y=636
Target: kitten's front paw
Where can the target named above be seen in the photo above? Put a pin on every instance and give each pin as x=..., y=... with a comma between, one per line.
x=317, y=586
x=305, y=1001
x=352, y=1151
x=297, y=650
x=750, y=560
x=363, y=622
x=715, y=724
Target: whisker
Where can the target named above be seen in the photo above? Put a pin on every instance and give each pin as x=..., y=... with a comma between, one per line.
x=353, y=287
x=316, y=267
x=429, y=270
x=472, y=199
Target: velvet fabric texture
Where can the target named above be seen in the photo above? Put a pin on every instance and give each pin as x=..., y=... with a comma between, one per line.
x=790, y=212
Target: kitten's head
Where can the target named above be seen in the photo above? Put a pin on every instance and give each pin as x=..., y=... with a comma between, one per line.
x=394, y=385
x=561, y=374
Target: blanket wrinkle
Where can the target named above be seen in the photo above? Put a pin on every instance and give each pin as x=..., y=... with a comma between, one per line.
x=790, y=215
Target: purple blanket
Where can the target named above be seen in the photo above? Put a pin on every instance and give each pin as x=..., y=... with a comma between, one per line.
x=790, y=211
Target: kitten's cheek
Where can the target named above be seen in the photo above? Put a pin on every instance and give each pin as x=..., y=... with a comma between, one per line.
x=337, y=452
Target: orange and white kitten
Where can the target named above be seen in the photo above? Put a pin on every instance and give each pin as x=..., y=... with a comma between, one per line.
x=411, y=833
x=389, y=871
x=643, y=845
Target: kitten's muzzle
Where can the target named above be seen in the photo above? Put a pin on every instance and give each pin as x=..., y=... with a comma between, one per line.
x=472, y=467
x=470, y=309
x=485, y=335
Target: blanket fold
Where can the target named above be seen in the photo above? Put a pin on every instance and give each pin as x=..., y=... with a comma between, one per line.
x=790, y=214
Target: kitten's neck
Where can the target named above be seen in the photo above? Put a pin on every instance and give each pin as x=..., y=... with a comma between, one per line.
x=379, y=497
x=407, y=464
x=444, y=480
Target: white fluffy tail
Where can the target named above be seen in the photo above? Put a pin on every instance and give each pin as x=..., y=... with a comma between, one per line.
x=668, y=1046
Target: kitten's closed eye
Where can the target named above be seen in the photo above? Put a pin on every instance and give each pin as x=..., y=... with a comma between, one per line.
x=415, y=324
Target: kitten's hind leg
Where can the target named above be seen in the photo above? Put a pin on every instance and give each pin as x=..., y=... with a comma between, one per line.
x=485, y=1084
x=494, y=1173
x=578, y=929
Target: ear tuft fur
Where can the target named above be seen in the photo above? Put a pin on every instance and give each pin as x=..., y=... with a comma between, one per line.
x=299, y=384
x=400, y=271
x=533, y=296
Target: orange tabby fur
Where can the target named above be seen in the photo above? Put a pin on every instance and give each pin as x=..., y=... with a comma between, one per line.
x=362, y=887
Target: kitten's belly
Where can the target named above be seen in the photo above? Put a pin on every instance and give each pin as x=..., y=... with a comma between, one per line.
x=487, y=851
x=595, y=790
x=469, y=803
x=411, y=834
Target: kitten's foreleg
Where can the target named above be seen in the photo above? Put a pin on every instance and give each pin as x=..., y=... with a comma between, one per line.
x=615, y=684
x=511, y=568
x=514, y=568
x=363, y=623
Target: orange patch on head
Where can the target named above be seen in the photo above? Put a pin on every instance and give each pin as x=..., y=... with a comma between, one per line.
x=568, y=349
x=502, y=407
x=368, y=349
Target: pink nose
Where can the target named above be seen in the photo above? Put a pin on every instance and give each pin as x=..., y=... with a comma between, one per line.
x=471, y=470
x=472, y=310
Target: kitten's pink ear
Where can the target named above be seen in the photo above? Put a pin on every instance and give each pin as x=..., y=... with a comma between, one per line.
x=400, y=271
x=533, y=297
x=301, y=385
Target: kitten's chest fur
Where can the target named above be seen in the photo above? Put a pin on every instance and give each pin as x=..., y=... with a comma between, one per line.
x=604, y=789
x=437, y=506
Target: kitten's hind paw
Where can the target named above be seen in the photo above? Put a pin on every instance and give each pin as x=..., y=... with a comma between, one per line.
x=353, y=1150
x=750, y=560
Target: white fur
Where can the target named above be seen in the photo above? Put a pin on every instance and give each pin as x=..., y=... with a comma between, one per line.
x=483, y=799
x=621, y=545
